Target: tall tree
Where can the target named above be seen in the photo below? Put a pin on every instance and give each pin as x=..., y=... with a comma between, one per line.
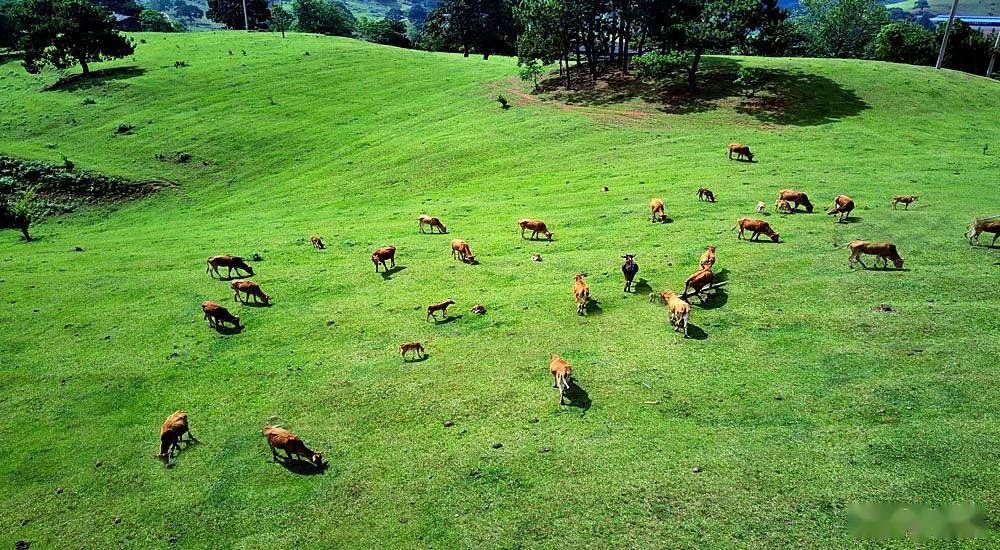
x=230, y=13
x=549, y=32
x=483, y=26
x=62, y=33
x=10, y=29
x=281, y=19
x=323, y=17
x=843, y=28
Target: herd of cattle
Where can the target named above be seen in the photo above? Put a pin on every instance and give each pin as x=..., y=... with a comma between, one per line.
x=698, y=284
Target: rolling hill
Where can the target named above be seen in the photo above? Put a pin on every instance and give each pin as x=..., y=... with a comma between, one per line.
x=806, y=385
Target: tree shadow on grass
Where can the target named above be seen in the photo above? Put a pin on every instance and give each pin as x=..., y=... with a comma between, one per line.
x=577, y=396
x=77, y=82
x=6, y=57
x=789, y=97
x=386, y=275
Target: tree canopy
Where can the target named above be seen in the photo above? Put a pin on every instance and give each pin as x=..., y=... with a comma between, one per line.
x=230, y=13
x=323, y=17
x=62, y=33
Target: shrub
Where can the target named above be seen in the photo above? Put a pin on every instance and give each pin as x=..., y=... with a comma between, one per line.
x=124, y=128
x=659, y=65
x=531, y=70
x=905, y=42
x=751, y=80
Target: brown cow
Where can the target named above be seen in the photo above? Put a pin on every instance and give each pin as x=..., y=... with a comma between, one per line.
x=460, y=249
x=905, y=199
x=984, y=225
x=698, y=284
x=708, y=258
x=782, y=205
x=218, y=316
x=661, y=296
x=741, y=151
x=172, y=432
x=656, y=206
x=841, y=205
x=415, y=347
x=535, y=226
x=562, y=373
x=431, y=221
x=249, y=288
x=884, y=251
x=381, y=255
x=434, y=308
x=581, y=292
x=796, y=199
x=317, y=242
x=680, y=311
x=280, y=438
x=755, y=226
x=705, y=195
x=229, y=262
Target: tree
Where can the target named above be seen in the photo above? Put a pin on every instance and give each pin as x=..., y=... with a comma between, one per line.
x=62, y=33
x=18, y=214
x=230, y=13
x=188, y=11
x=10, y=29
x=323, y=17
x=550, y=29
x=842, y=28
x=905, y=42
x=483, y=26
x=395, y=14
x=530, y=70
x=155, y=21
x=968, y=49
x=921, y=5
x=417, y=16
x=281, y=19
x=384, y=31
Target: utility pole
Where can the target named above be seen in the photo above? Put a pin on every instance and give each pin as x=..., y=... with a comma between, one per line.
x=993, y=56
x=246, y=22
x=947, y=31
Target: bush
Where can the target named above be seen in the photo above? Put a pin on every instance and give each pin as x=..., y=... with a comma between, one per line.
x=659, y=65
x=323, y=17
x=905, y=42
x=530, y=70
x=751, y=80
x=155, y=21
x=386, y=31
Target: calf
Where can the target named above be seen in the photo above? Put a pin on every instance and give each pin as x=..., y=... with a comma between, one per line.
x=708, y=258
x=172, y=431
x=280, y=438
x=460, y=249
x=442, y=307
x=741, y=151
x=581, y=292
x=905, y=199
x=705, y=195
x=431, y=221
x=249, y=288
x=562, y=373
x=629, y=269
x=381, y=255
x=679, y=311
x=796, y=198
x=229, y=262
x=536, y=227
x=984, y=225
x=415, y=347
x=317, y=242
x=782, y=205
x=841, y=205
x=698, y=284
x=656, y=207
x=756, y=227
x=218, y=316
x=884, y=251
x=760, y=207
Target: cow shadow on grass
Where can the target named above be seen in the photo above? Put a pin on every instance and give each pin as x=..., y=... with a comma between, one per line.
x=641, y=286
x=386, y=275
x=448, y=319
x=716, y=299
x=187, y=444
x=221, y=329
x=593, y=307
x=96, y=78
x=418, y=359
x=696, y=333
x=851, y=219
x=577, y=396
x=301, y=467
x=785, y=97
x=257, y=304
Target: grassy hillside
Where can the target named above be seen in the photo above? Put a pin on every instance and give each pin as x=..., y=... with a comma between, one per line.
x=795, y=396
x=976, y=7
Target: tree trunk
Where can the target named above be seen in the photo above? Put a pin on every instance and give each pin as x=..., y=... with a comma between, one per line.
x=693, y=70
x=24, y=231
x=465, y=50
x=569, y=83
x=86, y=71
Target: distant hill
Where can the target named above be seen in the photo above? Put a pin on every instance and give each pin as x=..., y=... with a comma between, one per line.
x=935, y=7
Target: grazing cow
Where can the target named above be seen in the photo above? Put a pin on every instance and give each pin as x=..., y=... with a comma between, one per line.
x=884, y=251
x=317, y=242
x=434, y=308
x=431, y=221
x=708, y=258
x=705, y=195
x=172, y=431
x=760, y=207
x=581, y=292
x=905, y=199
x=698, y=284
x=415, y=347
x=460, y=249
x=841, y=205
x=656, y=207
x=381, y=255
x=782, y=205
x=756, y=227
x=229, y=262
x=796, y=199
x=536, y=227
x=984, y=225
x=249, y=288
x=218, y=316
x=680, y=311
x=741, y=151
x=629, y=269
x=562, y=373
x=280, y=438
